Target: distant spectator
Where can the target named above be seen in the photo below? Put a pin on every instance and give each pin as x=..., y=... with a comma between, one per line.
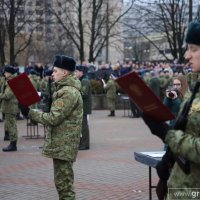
x=39, y=69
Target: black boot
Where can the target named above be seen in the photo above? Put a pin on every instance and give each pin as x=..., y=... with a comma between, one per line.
x=11, y=147
x=18, y=117
x=83, y=146
x=6, y=136
x=112, y=114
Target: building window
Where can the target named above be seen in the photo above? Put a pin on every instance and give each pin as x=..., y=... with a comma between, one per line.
x=40, y=20
x=29, y=3
x=30, y=12
x=38, y=3
x=39, y=29
x=20, y=20
x=39, y=12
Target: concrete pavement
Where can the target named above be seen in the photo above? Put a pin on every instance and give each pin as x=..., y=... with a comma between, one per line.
x=108, y=171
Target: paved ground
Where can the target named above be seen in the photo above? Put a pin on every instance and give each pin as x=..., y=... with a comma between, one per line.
x=107, y=171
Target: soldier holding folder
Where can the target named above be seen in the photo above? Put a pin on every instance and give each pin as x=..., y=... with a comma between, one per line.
x=10, y=109
x=63, y=122
x=184, y=139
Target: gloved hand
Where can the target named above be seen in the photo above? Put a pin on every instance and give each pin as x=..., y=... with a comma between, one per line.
x=159, y=129
x=164, y=167
x=24, y=110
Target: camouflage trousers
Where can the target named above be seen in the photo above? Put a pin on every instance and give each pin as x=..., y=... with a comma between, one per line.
x=111, y=103
x=10, y=125
x=64, y=179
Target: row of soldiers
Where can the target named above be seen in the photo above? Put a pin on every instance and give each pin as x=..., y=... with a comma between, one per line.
x=45, y=86
x=159, y=84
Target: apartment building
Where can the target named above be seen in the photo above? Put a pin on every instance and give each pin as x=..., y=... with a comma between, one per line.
x=143, y=43
x=49, y=37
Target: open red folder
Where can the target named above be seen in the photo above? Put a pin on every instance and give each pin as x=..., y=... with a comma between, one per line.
x=24, y=90
x=144, y=97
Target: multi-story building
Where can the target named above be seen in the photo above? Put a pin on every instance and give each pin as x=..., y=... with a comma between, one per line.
x=141, y=41
x=49, y=36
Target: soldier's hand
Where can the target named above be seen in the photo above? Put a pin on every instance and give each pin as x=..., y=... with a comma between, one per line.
x=159, y=129
x=24, y=110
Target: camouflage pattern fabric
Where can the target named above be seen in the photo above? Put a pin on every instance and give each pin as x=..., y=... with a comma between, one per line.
x=2, y=84
x=10, y=125
x=192, y=77
x=164, y=83
x=154, y=84
x=9, y=103
x=186, y=144
x=111, y=94
x=147, y=78
x=43, y=84
x=64, y=121
x=64, y=179
x=9, y=106
x=46, y=94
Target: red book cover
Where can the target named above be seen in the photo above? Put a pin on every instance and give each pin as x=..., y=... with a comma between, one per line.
x=24, y=90
x=144, y=97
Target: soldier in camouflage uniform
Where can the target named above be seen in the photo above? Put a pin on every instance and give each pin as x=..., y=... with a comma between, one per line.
x=164, y=83
x=33, y=76
x=111, y=89
x=87, y=106
x=64, y=122
x=2, y=80
x=185, y=142
x=10, y=108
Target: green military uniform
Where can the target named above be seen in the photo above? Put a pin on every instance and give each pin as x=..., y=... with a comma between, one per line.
x=10, y=109
x=34, y=80
x=192, y=77
x=147, y=78
x=63, y=123
x=164, y=83
x=87, y=109
x=47, y=96
x=111, y=89
x=154, y=84
x=186, y=144
x=2, y=80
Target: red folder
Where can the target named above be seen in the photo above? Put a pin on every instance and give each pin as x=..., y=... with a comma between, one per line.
x=24, y=90
x=144, y=97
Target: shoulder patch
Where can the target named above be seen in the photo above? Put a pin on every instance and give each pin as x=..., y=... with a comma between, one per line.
x=59, y=104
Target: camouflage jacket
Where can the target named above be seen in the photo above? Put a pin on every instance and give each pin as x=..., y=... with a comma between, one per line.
x=186, y=144
x=111, y=89
x=64, y=121
x=86, y=93
x=9, y=103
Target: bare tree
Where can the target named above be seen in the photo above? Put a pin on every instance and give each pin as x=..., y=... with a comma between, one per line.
x=168, y=18
x=104, y=25
x=16, y=19
x=88, y=24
